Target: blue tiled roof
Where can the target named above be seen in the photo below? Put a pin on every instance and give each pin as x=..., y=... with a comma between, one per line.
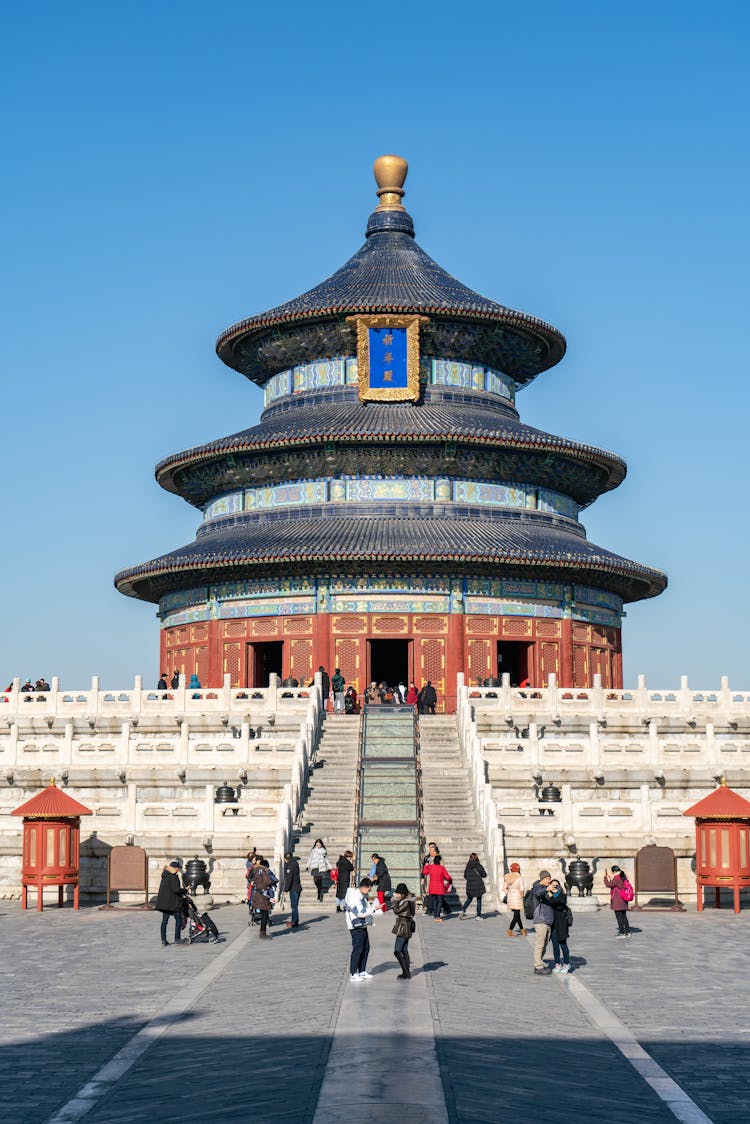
x=519, y=546
x=329, y=420
x=392, y=273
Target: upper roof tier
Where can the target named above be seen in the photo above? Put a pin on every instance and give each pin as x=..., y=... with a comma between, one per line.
x=391, y=273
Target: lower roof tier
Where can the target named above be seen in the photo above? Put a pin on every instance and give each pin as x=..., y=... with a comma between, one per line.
x=498, y=547
x=348, y=436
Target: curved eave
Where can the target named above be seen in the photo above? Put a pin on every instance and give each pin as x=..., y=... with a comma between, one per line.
x=613, y=467
x=291, y=546
x=247, y=332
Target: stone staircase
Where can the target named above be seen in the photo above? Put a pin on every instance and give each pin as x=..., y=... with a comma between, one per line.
x=329, y=811
x=448, y=808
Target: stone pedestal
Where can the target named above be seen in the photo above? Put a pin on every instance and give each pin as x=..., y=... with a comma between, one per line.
x=583, y=905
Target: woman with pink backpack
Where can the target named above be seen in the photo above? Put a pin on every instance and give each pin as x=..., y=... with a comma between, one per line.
x=620, y=893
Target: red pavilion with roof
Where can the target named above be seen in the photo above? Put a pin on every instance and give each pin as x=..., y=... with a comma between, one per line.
x=722, y=843
x=51, y=843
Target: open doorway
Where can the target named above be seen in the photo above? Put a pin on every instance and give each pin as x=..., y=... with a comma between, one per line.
x=513, y=660
x=389, y=661
x=262, y=659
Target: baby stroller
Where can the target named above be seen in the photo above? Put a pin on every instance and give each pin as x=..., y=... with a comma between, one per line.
x=199, y=926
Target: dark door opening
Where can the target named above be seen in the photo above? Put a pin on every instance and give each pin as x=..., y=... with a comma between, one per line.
x=389, y=661
x=262, y=660
x=513, y=660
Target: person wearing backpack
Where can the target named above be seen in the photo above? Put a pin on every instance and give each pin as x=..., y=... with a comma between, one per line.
x=544, y=915
x=620, y=893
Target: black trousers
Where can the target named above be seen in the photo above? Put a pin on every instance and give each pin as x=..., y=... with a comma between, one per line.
x=622, y=920
x=360, y=950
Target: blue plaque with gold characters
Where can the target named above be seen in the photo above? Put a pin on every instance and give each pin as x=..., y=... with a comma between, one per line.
x=388, y=357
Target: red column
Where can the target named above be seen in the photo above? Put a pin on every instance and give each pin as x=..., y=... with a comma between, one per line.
x=454, y=658
x=323, y=653
x=566, y=653
x=215, y=668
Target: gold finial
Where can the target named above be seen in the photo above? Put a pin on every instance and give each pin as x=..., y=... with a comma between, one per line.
x=52, y=782
x=723, y=782
x=390, y=174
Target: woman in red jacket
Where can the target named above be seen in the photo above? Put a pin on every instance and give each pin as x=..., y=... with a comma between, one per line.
x=439, y=883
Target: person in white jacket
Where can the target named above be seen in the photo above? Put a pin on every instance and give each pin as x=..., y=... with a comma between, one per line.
x=359, y=911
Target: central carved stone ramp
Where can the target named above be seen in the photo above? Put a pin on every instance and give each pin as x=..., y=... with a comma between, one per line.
x=388, y=794
x=448, y=809
x=329, y=811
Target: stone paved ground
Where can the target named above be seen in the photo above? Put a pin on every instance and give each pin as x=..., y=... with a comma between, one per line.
x=77, y=987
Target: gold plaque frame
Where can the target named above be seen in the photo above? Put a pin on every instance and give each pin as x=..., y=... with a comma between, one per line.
x=409, y=393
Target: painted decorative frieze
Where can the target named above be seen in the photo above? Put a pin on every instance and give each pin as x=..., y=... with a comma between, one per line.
x=343, y=371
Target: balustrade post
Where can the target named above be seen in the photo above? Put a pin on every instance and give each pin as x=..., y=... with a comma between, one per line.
x=53, y=699
x=506, y=695
x=95, y=692
x=183, y=742
x=552, y=700
x=642, y=695
x=13, y=744
x=138, y=694
x=726, y=696
x=684, y=695
x=597, y=695
x=226, y=692
x=124, y=740
x=272, y=694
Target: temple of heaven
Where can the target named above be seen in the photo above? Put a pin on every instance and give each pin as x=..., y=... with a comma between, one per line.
x=390, y=514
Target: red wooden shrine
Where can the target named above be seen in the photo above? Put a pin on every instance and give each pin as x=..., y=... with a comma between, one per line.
x=51, y=844
x=722, y=843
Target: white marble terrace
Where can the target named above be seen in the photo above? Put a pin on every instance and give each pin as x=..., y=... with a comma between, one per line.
x=148, y=763
x=627, y=763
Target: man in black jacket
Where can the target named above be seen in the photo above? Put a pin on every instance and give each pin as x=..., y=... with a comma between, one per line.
x=293, y=887
x=381, y=878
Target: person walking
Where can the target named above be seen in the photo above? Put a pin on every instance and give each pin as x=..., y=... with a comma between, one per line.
x=558, y=899
x=325, y=686
x=474, y=873
x=318, y=865
x=344, y=868
x=439, y=883
x=404, y=908
x=381, y=879
x=175, y=680
x=544, y=915
x=619, y=896
x=428, y=698
x=292, y=886
x=262, y=888
x=360, y=912
x=169, y=900
x=338, y=683
x=513, y=888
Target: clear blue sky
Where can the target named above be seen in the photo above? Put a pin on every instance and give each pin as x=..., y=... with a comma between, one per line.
x=169, y=168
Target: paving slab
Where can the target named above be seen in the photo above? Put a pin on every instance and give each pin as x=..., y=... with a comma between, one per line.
x=278, y=1033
